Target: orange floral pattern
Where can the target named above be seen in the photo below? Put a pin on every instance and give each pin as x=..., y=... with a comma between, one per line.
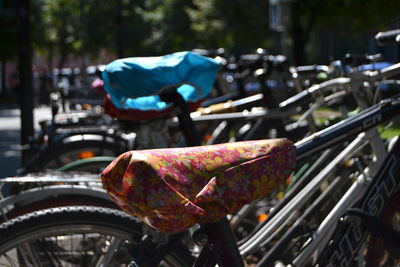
x=173, y=189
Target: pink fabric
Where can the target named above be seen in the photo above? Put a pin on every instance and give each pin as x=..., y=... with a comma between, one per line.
x=98, y=86
x=173, y=189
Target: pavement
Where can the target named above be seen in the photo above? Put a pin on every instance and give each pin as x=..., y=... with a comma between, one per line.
x=10, y=149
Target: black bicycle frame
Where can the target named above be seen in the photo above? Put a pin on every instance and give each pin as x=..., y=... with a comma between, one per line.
x=379, y=113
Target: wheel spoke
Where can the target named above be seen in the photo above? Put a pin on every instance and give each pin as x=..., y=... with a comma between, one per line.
x=74, y=236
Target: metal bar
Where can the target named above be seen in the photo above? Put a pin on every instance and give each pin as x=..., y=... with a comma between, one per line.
x=279, y=219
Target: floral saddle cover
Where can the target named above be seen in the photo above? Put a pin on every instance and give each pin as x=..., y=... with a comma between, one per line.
x=173, y=189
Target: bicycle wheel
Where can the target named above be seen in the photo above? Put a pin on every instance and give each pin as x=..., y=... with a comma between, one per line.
x=92, y=165
x=76, y=236
x=52, y=196
x=57, y=155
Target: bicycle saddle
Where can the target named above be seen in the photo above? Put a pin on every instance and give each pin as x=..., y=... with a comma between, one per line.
x=173, y=189
x=139, y=115
x=133, y=83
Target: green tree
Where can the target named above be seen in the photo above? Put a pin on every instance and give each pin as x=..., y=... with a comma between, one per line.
x=233, y=24
x=134, y=28
x=355, y=18
x=171, y=28
x=60, y=25
x=83, y=28
x=8, y=29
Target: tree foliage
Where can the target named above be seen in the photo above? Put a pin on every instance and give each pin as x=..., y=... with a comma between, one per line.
x=352, y=18
x=83, y=28
x=8, y=30
x=232, y=24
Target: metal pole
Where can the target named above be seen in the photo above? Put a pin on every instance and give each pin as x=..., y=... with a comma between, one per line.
x=285, y=31
x=120, y=33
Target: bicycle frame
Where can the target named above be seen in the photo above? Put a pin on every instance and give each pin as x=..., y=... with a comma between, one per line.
x=350, y=237
x=318, y=142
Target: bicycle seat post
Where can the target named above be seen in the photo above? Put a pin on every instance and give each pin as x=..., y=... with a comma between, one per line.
x=170, y=94
x=219, y=245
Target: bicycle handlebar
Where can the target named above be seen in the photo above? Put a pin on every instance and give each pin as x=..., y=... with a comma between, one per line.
x=388, y=37
x=305, y=95
x=340, y=81
x=309, y=69
x=278, y=59
x=357, y=60
x=296, y=100
x=385, y=73
x=210, y=52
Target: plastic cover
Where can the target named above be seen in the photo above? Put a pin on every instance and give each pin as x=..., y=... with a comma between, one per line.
x=134, y=82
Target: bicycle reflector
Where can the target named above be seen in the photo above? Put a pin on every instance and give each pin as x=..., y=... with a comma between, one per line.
x=86, y=154
x=262, y=217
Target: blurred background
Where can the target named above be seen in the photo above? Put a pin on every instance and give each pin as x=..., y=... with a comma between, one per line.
x=48, y=45
x=68, y=36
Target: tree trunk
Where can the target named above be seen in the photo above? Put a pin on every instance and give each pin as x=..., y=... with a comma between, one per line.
x=120, y=33
x=50, y=58
x=25, y=74
x=63, y=42
x=63, y=52
x=298, y=48
x=297, y=35
x=3, y=77
x=302, y=23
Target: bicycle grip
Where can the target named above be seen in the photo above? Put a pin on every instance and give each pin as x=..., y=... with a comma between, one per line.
x=388, y=37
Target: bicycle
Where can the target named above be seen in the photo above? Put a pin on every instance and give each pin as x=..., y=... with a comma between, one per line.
x=364, y=120
x=98, y=163
x=60, y=194
x=384, y=111
x=69, y=140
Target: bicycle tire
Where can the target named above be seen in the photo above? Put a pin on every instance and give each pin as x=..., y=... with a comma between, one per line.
x=52, y=196
x=100, y=234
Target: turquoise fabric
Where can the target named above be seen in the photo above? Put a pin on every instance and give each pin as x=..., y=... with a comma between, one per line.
x=133, y=83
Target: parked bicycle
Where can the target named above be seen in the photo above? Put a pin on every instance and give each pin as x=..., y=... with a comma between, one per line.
x=16, y=231
x=86, y=134
x=301, y=243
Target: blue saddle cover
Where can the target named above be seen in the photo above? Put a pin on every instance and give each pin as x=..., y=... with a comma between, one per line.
x=133, y=83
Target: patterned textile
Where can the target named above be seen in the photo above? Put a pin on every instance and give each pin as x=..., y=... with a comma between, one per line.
x=173, y=189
